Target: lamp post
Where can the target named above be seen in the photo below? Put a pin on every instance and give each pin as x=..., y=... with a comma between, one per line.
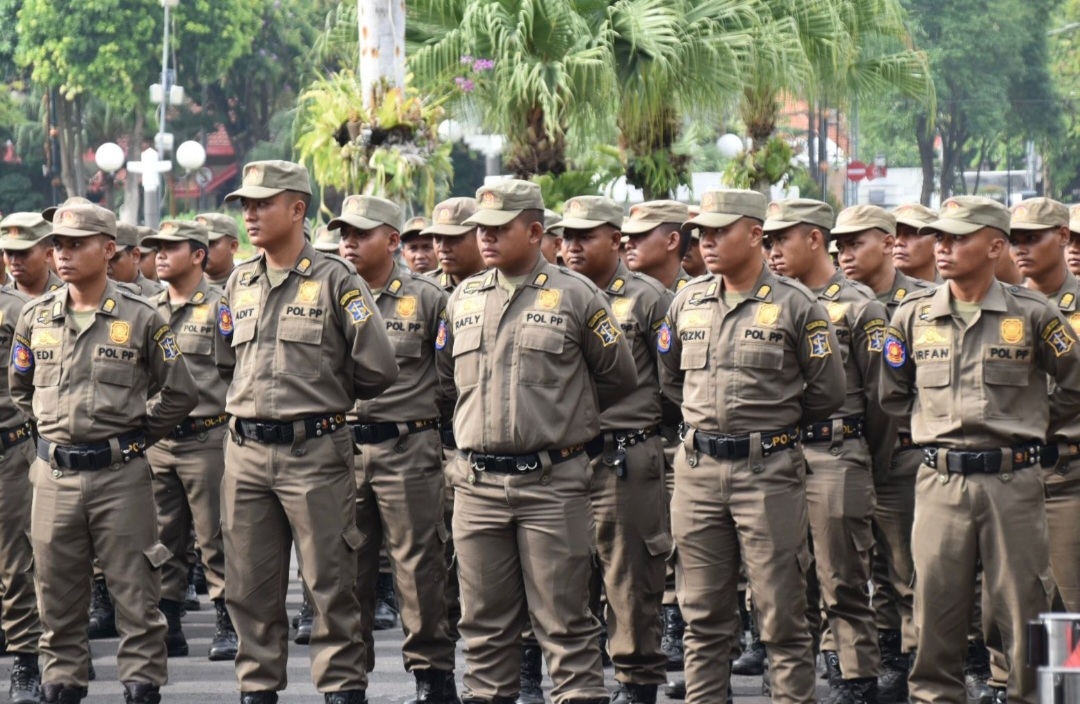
x=109, y=157
x=151, y=169
x=730, y=145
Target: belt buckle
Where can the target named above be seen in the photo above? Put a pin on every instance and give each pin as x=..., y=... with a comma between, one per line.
x=478, y=462
x=523, y=466
x=982, y=460
x=723, y=447
x=930, y=455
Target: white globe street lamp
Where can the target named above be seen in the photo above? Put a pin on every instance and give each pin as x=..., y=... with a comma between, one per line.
x=109, y=157
x=730, y=145
x=191, y=155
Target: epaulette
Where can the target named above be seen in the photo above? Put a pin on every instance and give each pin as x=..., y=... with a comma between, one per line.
x=425, y=280
x=863, y=289
x=127, y=293
x=43, y=298
x=580, y=277
x=1025, y=292
x=648, y=281
x=792, y=283
x=249, y=260
x=340, y=260
x=917, y=295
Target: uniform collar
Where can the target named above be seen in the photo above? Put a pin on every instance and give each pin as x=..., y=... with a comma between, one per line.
x=537, y=278
x=941, y=301
x=681, y=279
x=617, y=285
x=396, y=281
x=901, y=286
x=303, y=266
x=54, y=282
x=762, y=288
x=833, y=287
x=198, y=296
x=107, y=306
x=1066, y=296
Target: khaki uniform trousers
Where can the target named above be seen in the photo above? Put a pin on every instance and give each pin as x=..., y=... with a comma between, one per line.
x=632, y=546
x=21, y=623
x=893, y=570
x=524, y=545
x=453, y=589
x=671, y=597
x=840, y=500
x=958, y=520
x=1063, y=518
x=272, y=496
x=751, y=511
x=187, y=489
x=108, y=513
x=399, y=497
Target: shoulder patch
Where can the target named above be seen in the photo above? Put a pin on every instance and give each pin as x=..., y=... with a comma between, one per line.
x=224, y=319
x=442, y=334
x=895, y=350
x=663, y=338
x=21, y=357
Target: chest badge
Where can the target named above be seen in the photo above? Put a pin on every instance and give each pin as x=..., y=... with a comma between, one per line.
x=120, y=332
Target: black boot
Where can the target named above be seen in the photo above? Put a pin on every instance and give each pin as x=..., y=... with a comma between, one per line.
x=25, y=679
x=977, y=673
x=102, y=612
x=493, y=700
x=752, y=660
x=191, y=596
x=352, y=696
x=223, y=646
x=1000, y=695
x=838, y=691
x=258, y=698
x=198, y=577
x=635, y=694
x=304, y=621
x=91, y=673
x=672, y=642
x=675, y=689
x=141, y=693
x=863, y=690
x=766, y=681
x=892, y=684
x=54, y=693
x=175, y=643
x=530, y=691
x=435, y=687
x=386, y=612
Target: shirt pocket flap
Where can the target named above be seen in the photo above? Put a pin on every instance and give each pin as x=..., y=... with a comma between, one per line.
x=542, y=339
x=467, y=340
x=933, y=376
x=118, y=374
x=408, y=346
x=308, y=332
x=759, y=357
x=1005, y=374
x=194, y=344
x=694, y=357
x=243, y=332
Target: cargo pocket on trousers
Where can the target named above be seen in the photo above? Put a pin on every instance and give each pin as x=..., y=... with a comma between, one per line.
x=442, y=531
x=805, y=559
x=1049, y=586
x=353, y=538
x=28, y=551
x=660, y=545
x=157, y=555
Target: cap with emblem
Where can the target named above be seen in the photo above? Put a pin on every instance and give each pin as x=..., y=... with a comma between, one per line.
x=182, y=231
x=1039, y=214
x=50, y=212
x=652, y=214
x=860, y=218
x=327, y=240
x=127, y=235
x=503, y=201
x=218, y=225
x=587, y=212
x=84, y=221
x=964, y=215
x=1074, y=218
x=21, y=231
x=724, y=207
x=553, y=223
x=367, y=213
x=782, y=214
x=449, y=217
x=415, y=226
x=145, y=232
x=265, y=179
x=914, y=215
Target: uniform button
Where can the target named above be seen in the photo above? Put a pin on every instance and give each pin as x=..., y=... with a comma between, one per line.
x=114, y=466
x=202, y=436
x=834, y=451
x=399, y=448
x=1006, y=477
x=546, y=479
x=942, y=479
x=1, y=458
x=298, y=453
x=757, y=468
x=472, y=479
x=692, y=460
x=57, y=474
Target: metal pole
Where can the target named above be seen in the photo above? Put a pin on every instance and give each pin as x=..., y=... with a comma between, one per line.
x=151, y=197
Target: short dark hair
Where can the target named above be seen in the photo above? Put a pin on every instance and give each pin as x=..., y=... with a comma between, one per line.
x=531, y=215
x=684, y=236
x=199, y=246
x=826, y=234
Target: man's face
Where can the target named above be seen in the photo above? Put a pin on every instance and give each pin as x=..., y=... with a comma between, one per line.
x=221, y=259
x=961, y=256
x=174, y=260
x=1072, y=253
x=550, y=247
x=912, y=252
x=728, y=250
x=370, y=251
x=270, y=221
x=591, y=253
x=649, y=251
x=28, y=266
x=1038, y=252
x=863, y=254
x=418, y=251
x=124, y=266
x=459, y=255
x=148, y=262
x=693, y=263
x=510, y=247
x=791, y=251
x=82, y=259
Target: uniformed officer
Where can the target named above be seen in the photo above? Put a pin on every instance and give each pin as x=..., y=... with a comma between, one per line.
x=20, y=621
x=534, y=357
x=1039, y=235
x=418, y=249
x=224, y=241
x=628, y=495
x=124, y=268
x=24, y=238
x=327, y=240
x=1072, y=252
x=309, y=343
x=749, y=356
x=913, y=253
x=399, y=479
x=692, y=262
x=841, y=452
x=86, y=360
x=148, y=262
x=189, y=463
x=969, y=361
x=551, y=245
x=865, y=236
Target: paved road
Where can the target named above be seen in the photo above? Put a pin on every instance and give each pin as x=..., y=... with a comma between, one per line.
x=195, y=680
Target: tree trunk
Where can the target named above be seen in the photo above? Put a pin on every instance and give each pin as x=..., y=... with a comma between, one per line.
x=129, y=211
x=811, y=134
x=381, y=26
x=925, y=139
x=63, y=128
x=78, y=148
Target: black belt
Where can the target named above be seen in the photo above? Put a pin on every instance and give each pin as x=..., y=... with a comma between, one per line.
x=906, y=442
x=194, y=426
x=274, y=433
x=985, y=461
x=737, y=447
x=519, y=464
x=374, y=433
x=854, y=426
x=1062, y=453
x=447, y=436
x=612, y=445
x=17, y=435
x=93, y=456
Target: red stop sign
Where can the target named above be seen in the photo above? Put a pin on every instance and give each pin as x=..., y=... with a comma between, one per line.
x=856, y=171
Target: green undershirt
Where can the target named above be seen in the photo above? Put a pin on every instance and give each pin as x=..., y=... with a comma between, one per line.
x=276, y=276
x=82, y=318
x=966, y=311
x=509, y=283
x=733, y=298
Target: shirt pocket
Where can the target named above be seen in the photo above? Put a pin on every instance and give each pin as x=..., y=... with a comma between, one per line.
x=934, y=389
x=758, y=366
x=466, y=353
x=1005, y=385
x=113, y=396
x=407, y=346
x=47, y=391
x=539, y=355
x=195, y=344
x=299, y=350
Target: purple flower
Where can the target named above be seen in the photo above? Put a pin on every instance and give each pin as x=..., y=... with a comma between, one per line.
x=468, y=86
x=481, y=65
x=466, y=60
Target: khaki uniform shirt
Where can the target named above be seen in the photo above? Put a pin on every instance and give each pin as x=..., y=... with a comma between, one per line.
x=89, y=386
x=51, y=284
x=860, y=321
x=220, y=283
x=768, y=363
x=312, y=345
x=204, y=327
x=147, y=288
x=11, y=304
x=445, y=281
x=681, y=279
x=902, y=286
x=981, y=386
x=533, y=370
x=411, y=305
x=639, y=304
